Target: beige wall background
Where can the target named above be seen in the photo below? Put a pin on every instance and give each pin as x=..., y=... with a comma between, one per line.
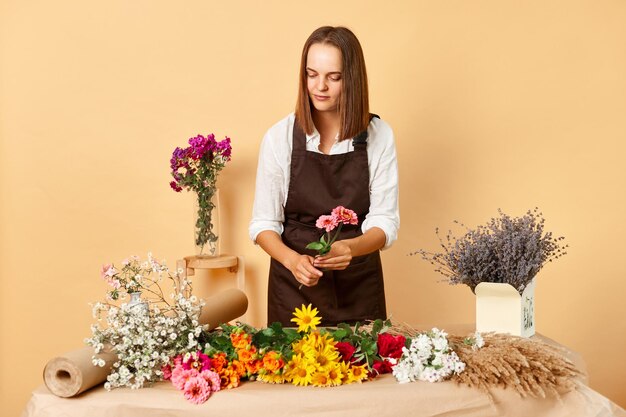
x=495, y=104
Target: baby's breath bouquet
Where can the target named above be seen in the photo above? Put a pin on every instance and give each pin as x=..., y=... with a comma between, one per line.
x=144, y=335
x=507, y=249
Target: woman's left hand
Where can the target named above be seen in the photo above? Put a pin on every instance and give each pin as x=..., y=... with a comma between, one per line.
x=338, y=258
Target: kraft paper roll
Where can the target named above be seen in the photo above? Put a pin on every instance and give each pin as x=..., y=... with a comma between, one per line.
x=223, y=307
x=73, y=373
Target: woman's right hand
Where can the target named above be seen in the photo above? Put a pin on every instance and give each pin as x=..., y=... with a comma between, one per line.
x=301, y=266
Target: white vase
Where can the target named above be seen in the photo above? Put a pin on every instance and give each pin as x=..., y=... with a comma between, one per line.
x=500, y=308
x=136, y=304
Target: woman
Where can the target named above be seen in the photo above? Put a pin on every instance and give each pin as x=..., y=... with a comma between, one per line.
x=331, y=152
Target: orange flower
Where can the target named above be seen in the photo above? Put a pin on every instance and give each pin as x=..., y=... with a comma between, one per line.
x=218, y=362
x=240, y=340
x=272, y=361
x=253, y=366
x=238, y=367
x=246, y=355
x=229, y=378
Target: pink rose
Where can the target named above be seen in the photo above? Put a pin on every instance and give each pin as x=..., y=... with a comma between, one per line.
x=326, y=222
x=390, y=346
x=344, y=215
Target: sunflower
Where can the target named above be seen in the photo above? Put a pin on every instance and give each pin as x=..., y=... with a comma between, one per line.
x=326, y=357
x=334, y=374
x=344, y=370
x=320, y=379
x=304, y=347
x=272, y=378
x=357, y=373
x=306, y=318
x=300, y=371
x=320, y=341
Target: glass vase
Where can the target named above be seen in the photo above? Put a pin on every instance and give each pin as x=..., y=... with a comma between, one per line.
x=206, y=221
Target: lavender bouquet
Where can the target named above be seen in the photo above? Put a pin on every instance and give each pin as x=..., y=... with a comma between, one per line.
x=507, y=250
x=195, y=168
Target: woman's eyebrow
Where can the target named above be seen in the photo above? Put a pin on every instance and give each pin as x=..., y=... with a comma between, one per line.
x=330, y=73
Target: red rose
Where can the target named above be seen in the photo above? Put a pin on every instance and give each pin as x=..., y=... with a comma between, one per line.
x=390, y=346
x=346, y=350
x=382, y=367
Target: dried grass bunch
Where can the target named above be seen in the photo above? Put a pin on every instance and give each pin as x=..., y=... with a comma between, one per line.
x=507, y=250
x=530, y=367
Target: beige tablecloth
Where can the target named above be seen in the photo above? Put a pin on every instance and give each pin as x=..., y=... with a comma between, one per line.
x=381, y=397
x=378, y=398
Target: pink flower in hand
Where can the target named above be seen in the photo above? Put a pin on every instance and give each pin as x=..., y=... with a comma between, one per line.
x=197, y=390
x=344, y=215
x=326, y=222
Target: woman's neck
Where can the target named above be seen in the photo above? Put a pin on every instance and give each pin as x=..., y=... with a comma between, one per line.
x=327, y=123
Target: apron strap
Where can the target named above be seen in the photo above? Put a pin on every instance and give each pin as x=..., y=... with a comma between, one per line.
x=361, y=138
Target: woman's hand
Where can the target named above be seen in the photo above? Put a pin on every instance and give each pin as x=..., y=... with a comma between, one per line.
x=338, y=258
x=301, y=266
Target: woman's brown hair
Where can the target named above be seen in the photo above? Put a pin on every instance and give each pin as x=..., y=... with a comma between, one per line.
x=354, y=101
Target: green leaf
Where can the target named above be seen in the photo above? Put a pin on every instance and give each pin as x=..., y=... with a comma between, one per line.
x=377, y=326
x=339, y=334
x=315, y=246
x=323, y=240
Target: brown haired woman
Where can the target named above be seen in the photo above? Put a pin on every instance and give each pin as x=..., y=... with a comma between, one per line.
x=331, y=152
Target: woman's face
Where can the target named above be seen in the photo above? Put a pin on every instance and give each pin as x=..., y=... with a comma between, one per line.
x=323, y=69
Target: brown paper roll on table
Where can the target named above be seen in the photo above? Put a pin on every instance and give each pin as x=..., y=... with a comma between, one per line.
x=73, y=373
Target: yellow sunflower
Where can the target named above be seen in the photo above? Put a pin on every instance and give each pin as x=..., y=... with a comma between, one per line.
x=344, y=370
x=320, y=341
x=272, y=378
x=300, y=371
x=334, y=374
x=326, y=357
x=306, y=318
x=304, y=347
x=320, y=379
x=357, y=373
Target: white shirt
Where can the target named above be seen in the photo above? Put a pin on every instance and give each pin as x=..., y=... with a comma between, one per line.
x=273, y=173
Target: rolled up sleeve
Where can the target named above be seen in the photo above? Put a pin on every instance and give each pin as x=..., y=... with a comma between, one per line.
x=269, y=198
x=384, y=212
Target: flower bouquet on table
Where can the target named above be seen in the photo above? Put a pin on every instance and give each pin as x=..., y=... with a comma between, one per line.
x=195, y=168
x=144, y=339
x=165, y=341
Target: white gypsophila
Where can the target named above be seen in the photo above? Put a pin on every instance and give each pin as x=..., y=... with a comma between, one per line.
x=135, y=336
x=428, y=358
x=478, y=341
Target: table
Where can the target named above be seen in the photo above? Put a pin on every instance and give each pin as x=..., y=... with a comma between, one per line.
x=381, y=397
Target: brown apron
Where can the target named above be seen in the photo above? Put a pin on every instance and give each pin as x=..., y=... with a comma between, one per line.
x=319, y=183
